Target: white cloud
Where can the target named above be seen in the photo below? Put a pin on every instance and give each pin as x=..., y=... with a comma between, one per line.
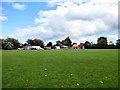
x=19, y=6
x=81, y=21
x=3, y=18
x=58, y=2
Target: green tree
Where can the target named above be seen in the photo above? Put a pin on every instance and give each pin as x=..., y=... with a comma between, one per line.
x=8, y=46
x=49, y=44
x=58, y=43
x=38, y=42
x=87, y=44
x=15, y=42
x=102, y=42
x=30, y=42
x=118, y=43
x=67, y=42
x=35, y=42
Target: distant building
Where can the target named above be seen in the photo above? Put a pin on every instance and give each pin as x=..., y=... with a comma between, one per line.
x=47, y=48
x=82, y=45
x=57, y=47
x=29, y=47
x=75, y=46
x=36, y=48
x=64, y=46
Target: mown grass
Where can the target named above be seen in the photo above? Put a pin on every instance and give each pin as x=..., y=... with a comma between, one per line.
x=60, y=69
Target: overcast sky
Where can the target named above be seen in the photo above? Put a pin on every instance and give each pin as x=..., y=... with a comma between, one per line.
x=52, y=20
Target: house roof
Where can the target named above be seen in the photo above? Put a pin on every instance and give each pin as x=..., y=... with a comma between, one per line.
x=36, y=47
x=75, y=45
x=64, y=46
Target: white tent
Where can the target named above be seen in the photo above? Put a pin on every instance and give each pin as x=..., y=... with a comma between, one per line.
x=36, y=47
x=57, y=47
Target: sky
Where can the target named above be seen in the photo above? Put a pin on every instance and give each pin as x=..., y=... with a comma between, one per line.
x=52, y=20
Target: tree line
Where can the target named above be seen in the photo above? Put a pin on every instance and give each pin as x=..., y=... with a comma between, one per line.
x=102, y=43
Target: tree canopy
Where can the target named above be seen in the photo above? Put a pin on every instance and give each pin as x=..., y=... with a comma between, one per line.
x=12, y=43
x=35, y=42
x=67, y=42
x=102, y=42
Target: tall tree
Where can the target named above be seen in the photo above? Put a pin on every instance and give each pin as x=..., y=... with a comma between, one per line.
x=8, y=46
x=102, y=42
x=67, y=42
x=87, y=44
x=35, y=42
x=15, y=42
x=38, y=42
x=118, y=43
x=30, y=42
x=49, y=44
x=58, y=43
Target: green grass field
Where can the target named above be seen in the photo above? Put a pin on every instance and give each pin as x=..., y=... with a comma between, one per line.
x=60, y=69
